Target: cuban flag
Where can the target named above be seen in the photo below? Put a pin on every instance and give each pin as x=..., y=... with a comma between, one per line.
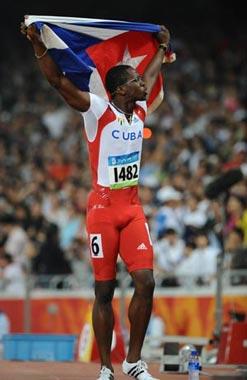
x=85, y=49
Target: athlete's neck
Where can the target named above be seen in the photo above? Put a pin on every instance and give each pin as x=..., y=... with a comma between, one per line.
x=120, y=110
x=125, y=108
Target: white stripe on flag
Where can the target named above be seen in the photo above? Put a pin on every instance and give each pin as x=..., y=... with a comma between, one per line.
x=102, y=33
x=70, y=20
x=51, y=39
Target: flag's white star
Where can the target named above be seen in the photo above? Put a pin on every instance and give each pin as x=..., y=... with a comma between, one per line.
x=131, y=61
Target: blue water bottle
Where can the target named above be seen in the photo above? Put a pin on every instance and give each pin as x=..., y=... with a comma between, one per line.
x=194, y=366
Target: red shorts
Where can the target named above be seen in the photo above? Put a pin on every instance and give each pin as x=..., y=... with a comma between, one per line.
x=116, y=224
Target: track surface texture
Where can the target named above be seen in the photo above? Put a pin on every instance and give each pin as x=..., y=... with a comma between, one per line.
x=12, y=370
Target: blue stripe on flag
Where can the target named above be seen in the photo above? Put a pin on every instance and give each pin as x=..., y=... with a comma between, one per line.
x=127, y=26
x=74, y=68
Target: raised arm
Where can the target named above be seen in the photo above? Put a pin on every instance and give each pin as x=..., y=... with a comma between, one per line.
x=76, y=98
x=153, y=69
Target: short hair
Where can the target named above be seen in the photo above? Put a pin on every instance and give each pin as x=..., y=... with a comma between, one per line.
x=116, y=76
x=170, y=231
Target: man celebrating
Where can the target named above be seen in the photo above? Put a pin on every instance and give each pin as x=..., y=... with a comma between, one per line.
x=115, y=219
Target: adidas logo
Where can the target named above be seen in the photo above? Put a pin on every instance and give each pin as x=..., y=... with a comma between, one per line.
x=141, y=246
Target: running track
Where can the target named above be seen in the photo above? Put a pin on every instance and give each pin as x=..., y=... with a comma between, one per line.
x=10, y=370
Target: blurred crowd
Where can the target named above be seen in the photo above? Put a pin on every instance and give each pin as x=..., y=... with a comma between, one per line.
x=198, y=132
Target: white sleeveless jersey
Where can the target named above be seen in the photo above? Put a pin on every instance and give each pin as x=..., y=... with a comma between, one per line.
x=114, y=144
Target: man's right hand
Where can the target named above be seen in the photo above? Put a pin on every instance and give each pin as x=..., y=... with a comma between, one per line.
x=76, y=98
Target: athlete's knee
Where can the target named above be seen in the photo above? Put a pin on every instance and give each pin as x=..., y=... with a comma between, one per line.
x=104, y=291
x=148, y=287
x=144, y=283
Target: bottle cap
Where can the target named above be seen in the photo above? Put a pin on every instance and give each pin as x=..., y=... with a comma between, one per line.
x=194, y=352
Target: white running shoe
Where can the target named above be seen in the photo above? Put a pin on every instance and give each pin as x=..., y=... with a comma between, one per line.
x=138, y=370
x=106, y=374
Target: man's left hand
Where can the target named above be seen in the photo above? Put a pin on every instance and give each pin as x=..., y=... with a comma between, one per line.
x=163, y=37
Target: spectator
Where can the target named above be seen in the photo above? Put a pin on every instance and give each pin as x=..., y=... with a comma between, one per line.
x=168, y=214
x=236, y=214
x=71, y=227
x=186, y=270
x=51, y=258
x=194, y=216
x=79, y=258
x=168, y=251
x=239, y=154
x=17, y=243
x=199, y=263
x=12, y=278
x=233, y=243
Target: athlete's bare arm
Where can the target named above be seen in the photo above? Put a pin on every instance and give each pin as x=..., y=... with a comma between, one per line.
x=76, y=98
x=153, y=69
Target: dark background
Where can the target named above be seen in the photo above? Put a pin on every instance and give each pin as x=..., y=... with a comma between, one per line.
x=193, y=19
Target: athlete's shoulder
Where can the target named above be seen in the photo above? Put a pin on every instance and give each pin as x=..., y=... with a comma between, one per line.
x=98, y=106
x=96, y=100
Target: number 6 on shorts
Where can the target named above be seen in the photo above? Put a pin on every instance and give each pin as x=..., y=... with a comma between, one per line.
x=96, y=246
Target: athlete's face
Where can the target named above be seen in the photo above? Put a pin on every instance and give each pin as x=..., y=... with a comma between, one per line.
x=136, y=87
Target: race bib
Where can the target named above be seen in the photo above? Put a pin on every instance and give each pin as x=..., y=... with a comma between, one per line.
x=123, y=170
